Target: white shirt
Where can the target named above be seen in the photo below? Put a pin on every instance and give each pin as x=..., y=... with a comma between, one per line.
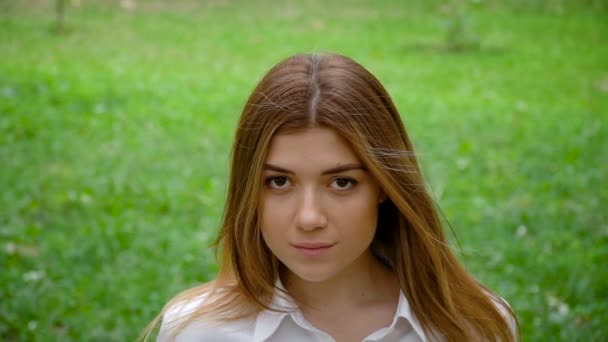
x=272, y=326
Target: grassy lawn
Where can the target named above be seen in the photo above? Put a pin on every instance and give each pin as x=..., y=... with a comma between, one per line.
x=115, y=139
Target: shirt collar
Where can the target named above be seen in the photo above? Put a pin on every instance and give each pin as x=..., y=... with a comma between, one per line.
x=268, y=321
x=404, y=311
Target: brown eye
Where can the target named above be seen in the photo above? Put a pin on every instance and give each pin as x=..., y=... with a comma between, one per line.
x=280, y=181
x=343, y=183
x=277, y=182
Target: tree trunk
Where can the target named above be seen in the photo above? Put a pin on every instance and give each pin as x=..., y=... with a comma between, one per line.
x=60, y=15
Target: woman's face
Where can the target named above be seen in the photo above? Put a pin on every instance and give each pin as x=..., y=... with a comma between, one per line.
x=319, y=205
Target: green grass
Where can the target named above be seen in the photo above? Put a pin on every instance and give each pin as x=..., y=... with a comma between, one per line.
x=115, y=138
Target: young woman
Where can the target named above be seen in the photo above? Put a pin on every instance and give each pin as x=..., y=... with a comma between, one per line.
x=329, y=233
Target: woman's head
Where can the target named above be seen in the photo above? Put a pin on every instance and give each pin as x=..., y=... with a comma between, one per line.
x=331, y=92
x=304, y=93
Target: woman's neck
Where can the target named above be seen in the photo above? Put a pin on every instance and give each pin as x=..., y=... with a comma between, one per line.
x=365, y=282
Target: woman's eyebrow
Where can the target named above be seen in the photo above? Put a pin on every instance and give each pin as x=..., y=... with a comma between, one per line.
x=268, y=166
x=342, y=168
x=333, y=170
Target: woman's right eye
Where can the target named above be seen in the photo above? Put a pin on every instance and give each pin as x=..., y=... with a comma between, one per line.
x=278, y=182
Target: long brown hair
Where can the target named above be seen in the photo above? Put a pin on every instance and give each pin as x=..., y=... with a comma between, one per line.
x=334, y=91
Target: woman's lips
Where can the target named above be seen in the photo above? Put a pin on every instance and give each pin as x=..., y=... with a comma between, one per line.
x=313, y=249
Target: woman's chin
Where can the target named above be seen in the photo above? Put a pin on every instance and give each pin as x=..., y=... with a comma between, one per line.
x=312, y=274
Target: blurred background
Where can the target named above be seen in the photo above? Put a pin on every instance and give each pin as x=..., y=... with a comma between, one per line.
x=116, y=120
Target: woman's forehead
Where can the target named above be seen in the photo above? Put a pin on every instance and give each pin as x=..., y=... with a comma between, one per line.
x=310, y=148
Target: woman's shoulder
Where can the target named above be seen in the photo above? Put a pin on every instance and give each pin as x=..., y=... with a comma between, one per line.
x=504, y=308
x=190, y=316
x=179, y=311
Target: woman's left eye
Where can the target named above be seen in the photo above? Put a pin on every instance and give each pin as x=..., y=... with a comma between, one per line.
x=343, y=183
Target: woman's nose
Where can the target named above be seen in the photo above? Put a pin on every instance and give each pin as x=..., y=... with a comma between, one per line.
x=310, y=211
